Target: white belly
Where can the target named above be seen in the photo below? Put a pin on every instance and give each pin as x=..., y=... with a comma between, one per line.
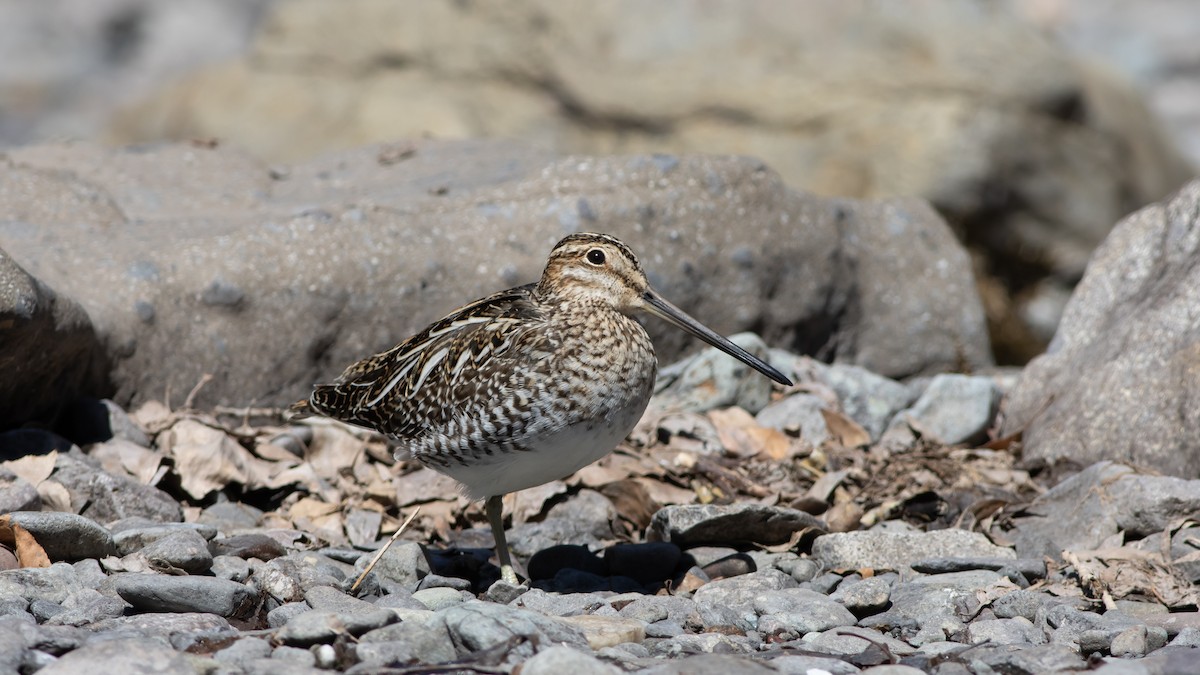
x=550, y=457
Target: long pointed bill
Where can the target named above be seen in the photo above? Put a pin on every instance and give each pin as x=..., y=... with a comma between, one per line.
x=665, y=310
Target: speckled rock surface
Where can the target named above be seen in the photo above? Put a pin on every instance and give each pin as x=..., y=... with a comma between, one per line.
x=201, y=260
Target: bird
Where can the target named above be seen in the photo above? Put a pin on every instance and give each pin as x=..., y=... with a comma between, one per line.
x=524, y=386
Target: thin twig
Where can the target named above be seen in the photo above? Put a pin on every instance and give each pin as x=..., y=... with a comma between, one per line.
x=204, y=379
x=383, y=549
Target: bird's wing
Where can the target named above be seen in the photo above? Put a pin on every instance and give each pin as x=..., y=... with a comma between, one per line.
x=424, y=380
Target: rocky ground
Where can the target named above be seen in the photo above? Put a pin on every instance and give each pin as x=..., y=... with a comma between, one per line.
x=850, y=523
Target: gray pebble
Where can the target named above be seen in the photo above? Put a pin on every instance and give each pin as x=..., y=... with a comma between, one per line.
x=17, y=494
x=438, y=598
x=183, y=549
x=557, y=660
x=243, y=650
x=953, y=409
x=892, y=550
x=739, y=593
x=231, y=568
x=161, y=593
x=320, y=626
x=294, y=655
x=798, y=414
x=66, y=536
x=478, y=626
x=803, y=611
x=866, y=596
x=404, y=564
x=1137, y=641
x=126, y=655
x=278, y=617
x=334, y=600
x=1015, y=631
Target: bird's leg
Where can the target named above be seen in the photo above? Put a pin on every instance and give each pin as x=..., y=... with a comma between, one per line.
x=495, y=515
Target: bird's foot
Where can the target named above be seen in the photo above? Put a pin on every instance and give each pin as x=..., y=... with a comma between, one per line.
x=508, y=575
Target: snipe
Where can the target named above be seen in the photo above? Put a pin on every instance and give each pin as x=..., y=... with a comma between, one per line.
x=525, y=386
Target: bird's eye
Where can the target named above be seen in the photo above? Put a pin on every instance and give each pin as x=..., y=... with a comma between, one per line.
x=595, y=256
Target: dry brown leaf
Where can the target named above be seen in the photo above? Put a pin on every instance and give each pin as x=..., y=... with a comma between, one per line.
x=423, y=486
x=527, y=504
x=120, y=456
x=664, y=493
x=847, y=432
x=28, y=551
x=311, y=507
x=1117, y=573
x=362, y=526
x=55, y=496
x=275, y=453
x=333, y=449
x=632, y=502
x=153, y=416
x=33, y=468
x=207, y=459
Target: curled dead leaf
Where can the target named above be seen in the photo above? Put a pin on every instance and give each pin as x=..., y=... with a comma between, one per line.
x=28, y=551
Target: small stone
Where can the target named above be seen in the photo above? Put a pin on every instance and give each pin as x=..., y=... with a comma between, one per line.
x=607, y=631
x=953, y=409
x=798, y=414
x=503, y=592
x=161, y=593
x=892, y=550
x=1031, y=568
x=1188, y=637
x=439, y=581
x=438, y=598
x=230, y=516
x=867, y=398
x=740, y=593
x=121, y=655
x=803, y=611
x=167, y=627
x=1015, y=631
x=66, y=536
x=403, y=564
x=231, y=568
x=711, y=379
x=284, y=613
x=406, y=642
x=730, y=566
x=558, y=660
x=333, y=599
x=864, y=597
x=294, y=655
x=1137, y=641
x=692, y=524
x=133, y=533
x=325, y=656
x=322, y=626
x=17, y=494
x=184, y=549
x=480, y=626
x=800, y=569
x=243, y=650
x=251, y=545
x=812, y=665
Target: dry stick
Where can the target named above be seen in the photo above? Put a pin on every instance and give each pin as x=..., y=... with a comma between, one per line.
x=383, y=549
x=204, y=379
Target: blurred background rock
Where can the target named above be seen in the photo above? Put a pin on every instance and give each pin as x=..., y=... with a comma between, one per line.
x=1031, y=125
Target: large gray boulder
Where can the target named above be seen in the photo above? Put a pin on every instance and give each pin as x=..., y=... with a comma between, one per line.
x=197, y=260
x=1030, y=151
x=1121, y=379
x=49, y=352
